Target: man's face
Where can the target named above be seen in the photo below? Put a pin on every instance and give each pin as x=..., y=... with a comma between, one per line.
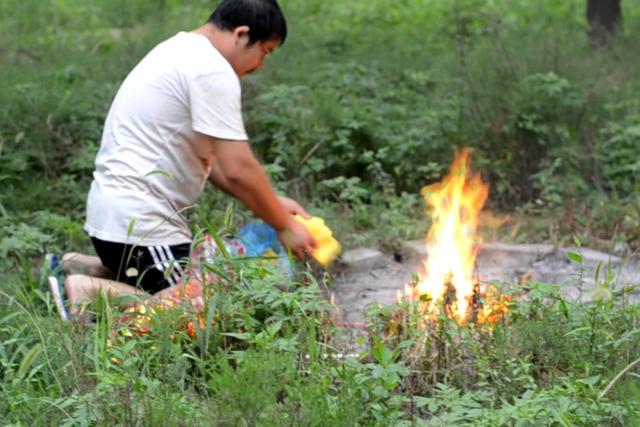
x=250, y=58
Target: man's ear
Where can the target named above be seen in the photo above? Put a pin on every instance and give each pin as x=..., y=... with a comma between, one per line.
x=241, y=34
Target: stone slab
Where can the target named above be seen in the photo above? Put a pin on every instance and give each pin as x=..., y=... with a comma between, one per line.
x=363, y=259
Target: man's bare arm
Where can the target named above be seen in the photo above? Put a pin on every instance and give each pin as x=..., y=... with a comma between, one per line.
x=237, y=172
x=218, y=179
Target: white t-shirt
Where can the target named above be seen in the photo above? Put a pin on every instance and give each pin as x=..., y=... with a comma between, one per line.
x=149, y=169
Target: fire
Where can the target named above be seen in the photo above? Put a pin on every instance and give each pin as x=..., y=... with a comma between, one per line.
x=455, y=204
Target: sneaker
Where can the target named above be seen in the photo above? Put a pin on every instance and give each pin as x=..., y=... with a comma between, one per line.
x=58, y=298
x=53, y=263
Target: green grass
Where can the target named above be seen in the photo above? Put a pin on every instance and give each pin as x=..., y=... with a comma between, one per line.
x=261, y=360
x=363, y=105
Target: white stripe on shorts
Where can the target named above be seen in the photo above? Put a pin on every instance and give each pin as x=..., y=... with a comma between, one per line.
x=172, y=264
x=156, y=261
x=165, y=261
x=159, y=257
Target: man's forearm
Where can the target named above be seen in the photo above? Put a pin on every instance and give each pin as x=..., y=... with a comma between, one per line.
x=251, y=185
x=247, y=181
x=236, y=171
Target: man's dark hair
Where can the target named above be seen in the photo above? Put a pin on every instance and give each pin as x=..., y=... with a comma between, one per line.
x=263, y=17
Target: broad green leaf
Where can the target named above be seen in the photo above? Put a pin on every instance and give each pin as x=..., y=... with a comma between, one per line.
x=576, y=257
x=28, y=359
x=419, y=401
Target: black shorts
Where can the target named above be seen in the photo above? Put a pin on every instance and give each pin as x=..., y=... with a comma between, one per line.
x=151, y=268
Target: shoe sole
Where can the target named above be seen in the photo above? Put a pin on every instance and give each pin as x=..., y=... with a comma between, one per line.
x=56, y=294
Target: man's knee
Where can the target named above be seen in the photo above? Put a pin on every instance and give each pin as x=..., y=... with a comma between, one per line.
x=75, y=282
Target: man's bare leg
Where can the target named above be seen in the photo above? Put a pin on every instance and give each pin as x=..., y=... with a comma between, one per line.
x=90, y=265
x=82, y=289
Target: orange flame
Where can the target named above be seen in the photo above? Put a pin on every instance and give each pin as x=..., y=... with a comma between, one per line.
x=455, y=203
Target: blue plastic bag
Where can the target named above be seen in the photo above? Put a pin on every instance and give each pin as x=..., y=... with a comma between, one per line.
x=258, y=237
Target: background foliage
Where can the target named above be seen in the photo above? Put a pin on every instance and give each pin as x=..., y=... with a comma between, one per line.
x=363, y=105
x=364, y=102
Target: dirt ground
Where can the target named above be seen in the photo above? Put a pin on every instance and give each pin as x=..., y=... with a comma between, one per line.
x=355, y=288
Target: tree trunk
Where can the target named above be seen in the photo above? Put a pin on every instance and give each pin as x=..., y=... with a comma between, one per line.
x=605, y=19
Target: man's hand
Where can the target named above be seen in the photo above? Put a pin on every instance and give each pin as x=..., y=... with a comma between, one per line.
x=297, y=239
x=293, y=207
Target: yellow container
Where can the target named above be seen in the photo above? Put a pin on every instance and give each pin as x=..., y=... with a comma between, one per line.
x=328, y=247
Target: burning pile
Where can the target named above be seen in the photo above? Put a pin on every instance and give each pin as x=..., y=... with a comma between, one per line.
x=448, y=282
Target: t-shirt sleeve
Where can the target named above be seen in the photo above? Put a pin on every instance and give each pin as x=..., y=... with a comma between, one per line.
x=216, y=107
